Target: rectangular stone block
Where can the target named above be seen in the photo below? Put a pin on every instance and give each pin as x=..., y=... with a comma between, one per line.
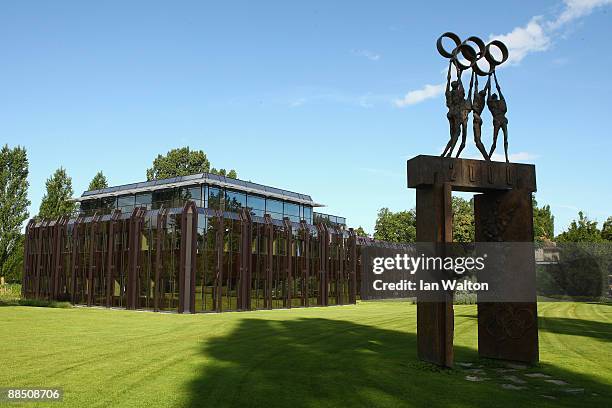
x=470, y=175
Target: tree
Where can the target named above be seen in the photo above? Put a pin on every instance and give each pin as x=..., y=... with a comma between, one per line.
x=463, y=220
x=98, y=182
x=182, y=162
x=395, y=227
x=581, y=230
x=222, y=172
x=13, y=206
x=360, y=232
x=56, y=201
x=12, y=267
x=606, y=230
x=543, y=223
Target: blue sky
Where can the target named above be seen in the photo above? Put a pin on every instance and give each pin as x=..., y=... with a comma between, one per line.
x=325, y=98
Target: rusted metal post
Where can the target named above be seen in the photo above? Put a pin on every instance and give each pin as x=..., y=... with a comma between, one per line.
x=219, y=242
x=352, y=250
x=113, y=228
x=287, y=263
x=269, y=261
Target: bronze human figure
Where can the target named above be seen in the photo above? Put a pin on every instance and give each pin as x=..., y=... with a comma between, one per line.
x=497, y=107
x=466, y=108
x=478, y=105
x=455, y=103
x=466, y=55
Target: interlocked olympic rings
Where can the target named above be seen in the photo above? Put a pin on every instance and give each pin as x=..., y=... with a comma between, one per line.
x=471, y=55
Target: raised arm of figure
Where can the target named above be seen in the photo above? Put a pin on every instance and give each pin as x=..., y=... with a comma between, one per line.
x=469, y=97
x=501, y=96
x=448, y=76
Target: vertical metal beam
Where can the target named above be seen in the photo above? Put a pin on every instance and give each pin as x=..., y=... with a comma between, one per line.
x=269, y=231
x=324, y=265
x=74, y=262
x=92, y=261
x=159, y=259
x=113, y=226
x=135, y=228
x=219, y=241
x=189, y=223
x=287, y=263
x=305, y=264
x=352, y=250
x=246, y=260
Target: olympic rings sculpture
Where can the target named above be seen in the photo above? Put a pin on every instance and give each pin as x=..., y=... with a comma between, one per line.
x=471, y=55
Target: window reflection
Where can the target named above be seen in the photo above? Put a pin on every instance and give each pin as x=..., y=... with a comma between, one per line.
x=274, y=206
x=234, y=201
x=215, y=198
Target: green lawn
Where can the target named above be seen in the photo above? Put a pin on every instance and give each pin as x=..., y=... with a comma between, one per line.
x=348, y=356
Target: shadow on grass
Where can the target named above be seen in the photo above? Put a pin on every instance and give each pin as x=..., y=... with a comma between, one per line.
x=329, y=363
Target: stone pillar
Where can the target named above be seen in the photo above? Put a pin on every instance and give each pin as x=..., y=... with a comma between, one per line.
x=508, y=330
x=435, y=320
x=503, y=214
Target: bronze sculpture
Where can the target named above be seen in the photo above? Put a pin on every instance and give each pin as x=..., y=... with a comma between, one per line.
x=478, y=105
x=456, y=105
x=498, y=108
x=460, y=108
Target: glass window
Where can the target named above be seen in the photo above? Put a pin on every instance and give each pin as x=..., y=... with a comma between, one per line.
x=193, y=193
x=292, y=210
x=205, y=196
x=308, y=214
x=234, y=200
x=125, y=201
x=143, y=199
x=256, y=202
x=88, y=206
x=163, y=195
x=109, y=203
x=274, y=206
x=215, y=198
x=276, y=216
x=259, y=213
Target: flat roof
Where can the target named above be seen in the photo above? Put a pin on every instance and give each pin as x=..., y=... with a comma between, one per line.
x=200, y=178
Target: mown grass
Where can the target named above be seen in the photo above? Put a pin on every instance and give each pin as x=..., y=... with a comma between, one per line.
x=362, y=355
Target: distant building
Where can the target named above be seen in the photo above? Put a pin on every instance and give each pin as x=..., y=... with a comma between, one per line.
x=198, y=243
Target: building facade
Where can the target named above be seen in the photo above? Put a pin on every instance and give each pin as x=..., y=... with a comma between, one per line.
x=198, y=243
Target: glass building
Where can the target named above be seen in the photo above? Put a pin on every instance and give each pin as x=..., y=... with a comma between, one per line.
x=198, y=243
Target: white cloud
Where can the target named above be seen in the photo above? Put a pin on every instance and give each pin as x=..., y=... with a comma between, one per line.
x=372, y=56
x=535, y=36
x=524, y=40
x=576, y=9
x=419, y=95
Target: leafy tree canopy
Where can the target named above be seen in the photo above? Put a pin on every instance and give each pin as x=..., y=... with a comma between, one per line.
x=56, y=201
x=543, y=223
x=463, y=220
x=606, y=230
x=360, y=232
x=182, y=162
x=581, y=230
x=13, y=205
x=98, y=182
x=395, y=227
